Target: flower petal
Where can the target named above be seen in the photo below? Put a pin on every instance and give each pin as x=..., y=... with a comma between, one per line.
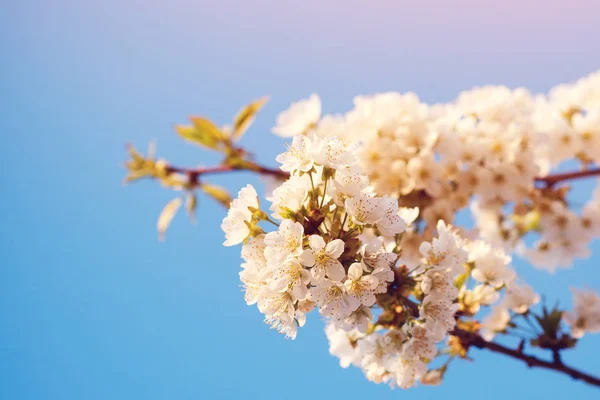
x=355, y=271
x=335, y=248
x=307, y=258
x=335, y=270
x=316, y=242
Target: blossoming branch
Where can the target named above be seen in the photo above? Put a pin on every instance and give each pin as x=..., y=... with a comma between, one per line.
x=363, y=229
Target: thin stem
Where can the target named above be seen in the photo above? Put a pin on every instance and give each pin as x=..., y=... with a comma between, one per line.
x=271, y=221
x=343, y=223
x=312, y=183
x=324, y=193
x=448, y=361
x=530, y=329
x=350, y=232
x=520, y=330
x=197, y=172
x=469, y=339
x=551, y=180
x=334, y=215
x=322, y=229
x=530, y=323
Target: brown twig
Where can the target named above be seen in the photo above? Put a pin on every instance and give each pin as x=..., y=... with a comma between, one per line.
x=197, y=172
x=551, y=180
x=469, y=339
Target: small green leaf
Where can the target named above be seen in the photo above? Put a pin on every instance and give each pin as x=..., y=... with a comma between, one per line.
x=202, y=132
x=550, y=321
x=191, y=203
x=166, y=216
x=218, y=193
x=245, y=117
x=136, y=157
x=135, y=175
x=205, y=125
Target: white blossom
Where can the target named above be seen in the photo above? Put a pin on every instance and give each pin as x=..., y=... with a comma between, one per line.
x=420, y=344
x=292, y=277
x=391, y=223
x=350, y=181
x=375, y=256
x=361, y=286
x=254, y=272
x=235, y=224
x=439, y=312
x=438, y=284
x=408, y=372
x=495, y=322
x=473, y=299
x=519, y=298
x=278, y=308
x=444, y=251
x=374, y=350
x=284, y=242
x=409, y=215
x=323, y=258
x=358, y=320
x=299, y=117
x=298, y=156
x=585, y=316
x=334, y=152
x=340, y=345
x=491, y=265
x=365, y=210
x=333, y=298
x=290, y=195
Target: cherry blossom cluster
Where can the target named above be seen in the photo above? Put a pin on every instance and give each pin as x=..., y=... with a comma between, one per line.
x=492, y=272
x=360, y=222
x=485, y=150
x=340, y=248
x=564, y=233
x=315, y=257
x=399, y=353
x=361, y=225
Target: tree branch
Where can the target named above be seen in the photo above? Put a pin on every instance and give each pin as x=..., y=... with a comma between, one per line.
x=196, y=172
x=551, y=180
x=469, y=339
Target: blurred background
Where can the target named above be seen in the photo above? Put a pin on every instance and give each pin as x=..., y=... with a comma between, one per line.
x=92, y=306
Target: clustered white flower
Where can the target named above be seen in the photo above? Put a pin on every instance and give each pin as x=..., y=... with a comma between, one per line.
x=363, y=221
x=585, y=316
x=237, y=225
x=336, y=248
x=314, y=258
x=483, y=149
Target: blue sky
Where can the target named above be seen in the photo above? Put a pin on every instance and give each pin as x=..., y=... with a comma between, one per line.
x=93, y=307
